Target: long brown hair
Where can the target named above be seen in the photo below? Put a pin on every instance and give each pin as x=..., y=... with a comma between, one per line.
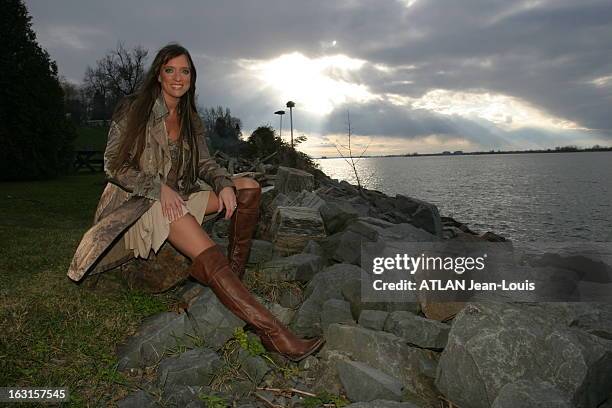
x=138, y=107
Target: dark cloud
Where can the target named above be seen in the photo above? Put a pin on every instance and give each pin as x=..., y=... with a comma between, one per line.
x=546, y=53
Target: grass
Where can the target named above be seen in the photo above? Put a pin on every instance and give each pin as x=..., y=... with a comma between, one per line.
x=89, y=138
x=53, y=332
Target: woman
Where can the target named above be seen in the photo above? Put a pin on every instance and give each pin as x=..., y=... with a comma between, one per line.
x=162, y=184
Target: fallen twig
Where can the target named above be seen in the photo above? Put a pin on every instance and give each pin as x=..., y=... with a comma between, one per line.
x=287, y=391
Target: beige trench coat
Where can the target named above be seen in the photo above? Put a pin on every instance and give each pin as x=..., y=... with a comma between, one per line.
x=127, y=196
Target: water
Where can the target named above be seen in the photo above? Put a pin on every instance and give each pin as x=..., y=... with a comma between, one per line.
x=524, y=197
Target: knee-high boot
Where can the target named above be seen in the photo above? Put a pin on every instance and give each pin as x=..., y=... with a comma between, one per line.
x=242, y=226
x=212, y=268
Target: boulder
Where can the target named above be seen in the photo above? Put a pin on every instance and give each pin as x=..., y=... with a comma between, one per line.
x=292, y=228
x=527, y=394
x=373, y=319
x=387, y=353
x=159, y=273
x=212, y=321
x=352, y=292
x=194, y=367
x=155, y=335
x=336, y=311
x=336, y=214
x=379, y=403
x=137, y=399
x=421, y=332
x=261, y=251
x=424, y=215
x=491, y=345
x=254, y=366
x=325, y=285
x=290, y=179
x=364, y=383
x=184, y=396
x=306, y=199
x=298, y=267
x=313, y=247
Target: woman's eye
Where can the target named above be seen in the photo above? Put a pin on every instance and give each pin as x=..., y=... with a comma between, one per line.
x=186, y=72
x=168, y=70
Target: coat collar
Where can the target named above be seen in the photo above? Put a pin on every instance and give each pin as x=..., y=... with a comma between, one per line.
x=160, y=109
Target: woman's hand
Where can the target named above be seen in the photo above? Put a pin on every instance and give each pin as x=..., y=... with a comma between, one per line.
x=173, y=205
x=227, y=200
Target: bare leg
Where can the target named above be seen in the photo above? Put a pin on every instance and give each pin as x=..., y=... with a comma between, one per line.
x=212, y=268
x=187, y=235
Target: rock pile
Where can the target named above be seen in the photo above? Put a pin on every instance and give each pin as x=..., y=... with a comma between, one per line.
x=381, y=354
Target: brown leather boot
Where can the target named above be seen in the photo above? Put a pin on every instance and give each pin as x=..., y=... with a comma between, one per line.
x=212, y=268
x=242, y=227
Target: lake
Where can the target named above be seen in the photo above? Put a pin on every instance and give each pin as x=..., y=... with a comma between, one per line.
x=525, y=197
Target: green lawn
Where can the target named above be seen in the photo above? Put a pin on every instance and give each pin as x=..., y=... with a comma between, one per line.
x=91, y=138
x=54, y=332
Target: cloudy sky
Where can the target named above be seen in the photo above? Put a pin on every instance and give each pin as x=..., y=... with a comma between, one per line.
x=415, y=75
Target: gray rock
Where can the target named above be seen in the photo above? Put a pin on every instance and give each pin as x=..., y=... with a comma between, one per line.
x=394, y=318
x=336, y=214
x=336, y=311
x=189, y=292
x=325, y=372
x=526, y=394
x=351, y=292
x=387, y=353
x=298, y=267
x=137, y=399
x=424, y=215
x=212, y=320
x=313, y=247
x=373, y=319
x=155, y=335
x=383, y=404
x=261, y=251
x=184, y=396
x=292, y=227
x=194, y=367
x=220, y=229
x=325, y=285
x=422, y=332
x=308, y=363
x=364, y=383
x=291, y=298
x=289, y=179
x=493, y=344
x=284, y=314
x=255, y=366
x=345, y=246
x=306, y=199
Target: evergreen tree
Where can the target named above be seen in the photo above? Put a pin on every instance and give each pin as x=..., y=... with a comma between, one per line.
x=35, y=135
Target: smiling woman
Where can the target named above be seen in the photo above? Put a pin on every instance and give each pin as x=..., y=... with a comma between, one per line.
x=162, y=184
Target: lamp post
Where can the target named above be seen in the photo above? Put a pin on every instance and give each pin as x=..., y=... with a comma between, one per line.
x=290, y=105
x=280, y=113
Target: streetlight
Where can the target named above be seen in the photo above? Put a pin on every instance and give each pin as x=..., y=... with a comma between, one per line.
x=280, y=113
x=290, y=105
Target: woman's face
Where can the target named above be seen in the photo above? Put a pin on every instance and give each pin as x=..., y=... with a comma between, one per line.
x=175, y=77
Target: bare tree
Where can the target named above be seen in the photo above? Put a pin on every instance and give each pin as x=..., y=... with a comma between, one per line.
x=117, y=74
x=351, y=158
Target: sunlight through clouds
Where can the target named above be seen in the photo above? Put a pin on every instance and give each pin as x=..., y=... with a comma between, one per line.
x=504, y=111
x=317, y=85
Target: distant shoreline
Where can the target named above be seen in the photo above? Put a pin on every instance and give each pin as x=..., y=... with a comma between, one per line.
x=461, y=153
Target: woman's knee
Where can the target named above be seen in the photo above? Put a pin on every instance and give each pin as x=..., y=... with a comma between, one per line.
x=245, y=182
x=213, y=203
